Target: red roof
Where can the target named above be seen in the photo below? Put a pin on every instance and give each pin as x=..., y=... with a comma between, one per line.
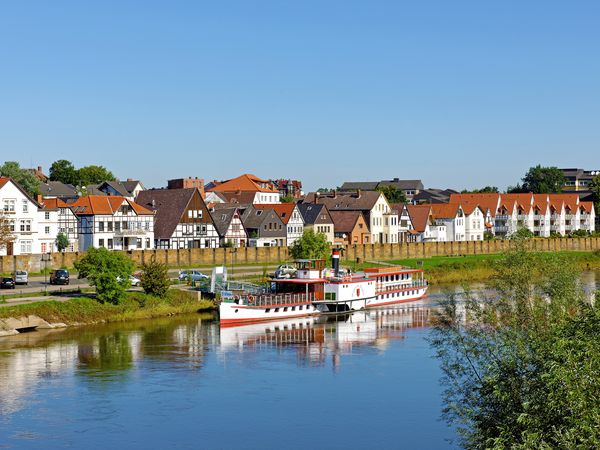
x=53, y=203
x=105, y=204
x=445, y=210
x=245, y=183
x=419, y=216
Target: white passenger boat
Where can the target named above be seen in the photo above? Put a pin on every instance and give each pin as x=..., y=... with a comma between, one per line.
x=315, y=290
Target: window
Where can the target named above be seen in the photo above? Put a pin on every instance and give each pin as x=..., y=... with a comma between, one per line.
x=100, y=242
x=189, y=213
x=138, y=243
x=25, y=205
x=43, y=247
x=100, y=226
x=25, y=226
x=109, y=225
x=46, y=231
x=47, y=215
x=9, y=205
x=26, y=246
x=148, y=243
x=109, y=243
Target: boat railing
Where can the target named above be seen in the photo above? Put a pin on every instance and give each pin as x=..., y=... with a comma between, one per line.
x=400, y=286
x=273, y=299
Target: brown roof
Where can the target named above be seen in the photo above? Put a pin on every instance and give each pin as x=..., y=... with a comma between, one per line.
x=345, y=221
x=105, y=204
x=283, y=210
x=363, y=201
x=170, y=206
x=239, y=197
x=487, y=202
x=53, y=203
x=419, y=216
x=246, y=183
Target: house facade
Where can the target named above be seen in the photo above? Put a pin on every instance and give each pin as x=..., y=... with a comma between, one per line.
x=424, y=228
x=21, y=213
x=317, y=218
x=291, y=218
x=229, y=225
x=452, y=217
x=182, y=219
x=264, y=227
x=113, y=222
x=56, y=217
x=350, y=227
x=261, y=192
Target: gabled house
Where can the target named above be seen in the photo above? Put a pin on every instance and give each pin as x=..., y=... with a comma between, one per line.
x=182, y=219
x=134, y=187
x=424, y=226
x=256, y=189
x=317, y=218
x=58, y=189
x=113, y=222
x=291, y=217
x=21, y=212
x=405, y=225
x=452, y=216
x=264, y=227
x=57, y=217
x=381, y=219
x=350, y=227
x=229, y=225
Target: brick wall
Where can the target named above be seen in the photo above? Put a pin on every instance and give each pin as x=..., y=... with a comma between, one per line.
x=249, y=255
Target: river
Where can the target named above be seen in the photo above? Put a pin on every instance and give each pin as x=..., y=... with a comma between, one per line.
x=365, y=380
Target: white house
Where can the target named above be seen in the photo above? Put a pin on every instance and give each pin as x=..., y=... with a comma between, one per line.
x=113, y=222
x=452, y=216
x=228, y=222
x=56, y=217
x=424, y=228
x=21, y=212
x=474, y=223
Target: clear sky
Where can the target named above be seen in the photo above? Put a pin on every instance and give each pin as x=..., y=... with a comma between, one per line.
x=457, y=93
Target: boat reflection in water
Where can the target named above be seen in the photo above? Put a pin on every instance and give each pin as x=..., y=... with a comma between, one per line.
x=316, y=337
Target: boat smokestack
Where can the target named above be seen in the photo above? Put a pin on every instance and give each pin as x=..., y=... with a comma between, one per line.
x=335, y=260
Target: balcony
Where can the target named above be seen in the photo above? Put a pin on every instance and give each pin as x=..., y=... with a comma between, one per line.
x=130, y=233
x=501, y=229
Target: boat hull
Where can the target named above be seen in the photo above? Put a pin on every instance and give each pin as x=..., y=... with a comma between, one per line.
x=389, y=298
x=234, y=314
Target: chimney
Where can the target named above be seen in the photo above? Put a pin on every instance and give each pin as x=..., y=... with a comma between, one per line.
x=358, y=193
x=39, y=168
x=334, y=193
x=129, y=179
x=153, y=203
x=39, y=198
x=335, y=261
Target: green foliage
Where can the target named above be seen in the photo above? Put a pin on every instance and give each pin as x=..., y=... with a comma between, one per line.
x=488, y=236
x=227, y=244
x=108, y=271
x=93, y=175
x=522, y=233
x=287, y=199
x=392, y=194
x=155, y=278
x=63, y=171
x=595, y=188
x=62, y=242
x=310, y=246
x=543, y=180
x=580, y=233
x=6, y=234
x=24, y=178
x=521, y=365
x=484, y=190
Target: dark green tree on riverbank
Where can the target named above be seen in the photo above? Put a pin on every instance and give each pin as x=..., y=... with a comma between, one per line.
x=108, y=271
x=540, y=180
x=155, y=278
x=521, y=367
x=310, y=246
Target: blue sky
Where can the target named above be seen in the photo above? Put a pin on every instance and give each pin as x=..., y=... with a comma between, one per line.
x=457, y=93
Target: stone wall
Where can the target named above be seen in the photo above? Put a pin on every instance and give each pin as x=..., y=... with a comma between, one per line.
x=272, y=255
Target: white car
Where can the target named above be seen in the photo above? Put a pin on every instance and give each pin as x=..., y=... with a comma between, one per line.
x=285, y=271
x=192, y=275
x=21, y=277
x=133, y=280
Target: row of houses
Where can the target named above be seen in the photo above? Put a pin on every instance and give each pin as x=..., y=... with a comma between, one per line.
x=247, y=211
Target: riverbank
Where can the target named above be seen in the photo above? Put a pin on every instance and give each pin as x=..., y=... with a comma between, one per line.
x=88, y=311
x=472, y=268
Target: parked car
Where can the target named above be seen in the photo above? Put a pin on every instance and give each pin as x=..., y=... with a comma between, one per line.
x=192, y=275
x=59, y=276
x=21, y=277
x=285, y=271
x=7, y=283
x=135, y=281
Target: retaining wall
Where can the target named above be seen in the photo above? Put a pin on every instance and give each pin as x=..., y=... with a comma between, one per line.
x=249, y=255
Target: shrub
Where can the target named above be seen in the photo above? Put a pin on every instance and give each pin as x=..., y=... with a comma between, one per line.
x=155, y=278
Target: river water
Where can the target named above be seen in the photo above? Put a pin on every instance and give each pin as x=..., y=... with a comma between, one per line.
x=366, y=380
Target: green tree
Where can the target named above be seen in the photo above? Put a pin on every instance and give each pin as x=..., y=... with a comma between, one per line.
x=392, y=194
x=108, y=271
x=63, y=171
x=521, y=365
x=488, y=236
x=484, y=190
x=595, y=188
x=543, y=180
x=62, y=242
x=155, y=278
x=287, y=199
x=93, y=175
x=522, y=233
x=24, y=178
x=6, y=234
x=310, y=246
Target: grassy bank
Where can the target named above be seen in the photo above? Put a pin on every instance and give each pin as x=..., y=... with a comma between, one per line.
x=473, y=268
x=86, y=310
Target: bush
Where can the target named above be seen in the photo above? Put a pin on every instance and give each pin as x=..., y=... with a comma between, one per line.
x=108, y=271
x=155, y=278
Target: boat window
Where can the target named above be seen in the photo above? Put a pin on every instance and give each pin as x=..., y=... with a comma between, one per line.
x=300, y=307
x=293, y=308
x=236, y=310
x=276, y=310
x=267, y=310
x=285, y=309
